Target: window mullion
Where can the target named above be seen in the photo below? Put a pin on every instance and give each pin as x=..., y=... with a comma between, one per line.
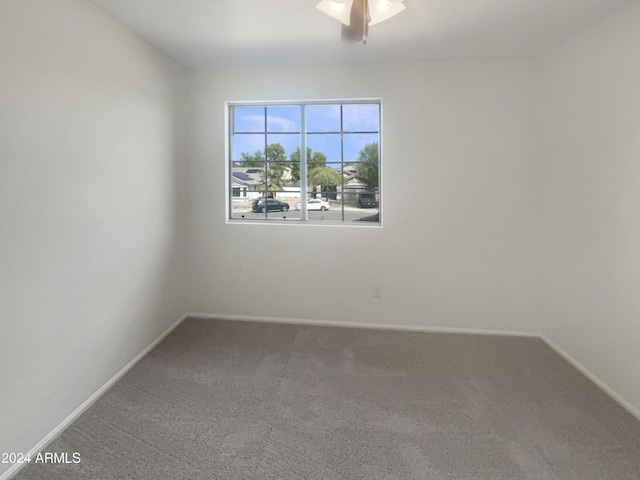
x=342, y=162
x=266, y=167
x=303, y=164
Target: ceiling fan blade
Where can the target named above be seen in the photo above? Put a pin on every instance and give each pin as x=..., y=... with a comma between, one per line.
x=358, y=29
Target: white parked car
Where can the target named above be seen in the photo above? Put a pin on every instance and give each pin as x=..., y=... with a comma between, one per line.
x=315, y=204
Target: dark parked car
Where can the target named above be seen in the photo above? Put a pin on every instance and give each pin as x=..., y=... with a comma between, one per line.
x=269, y=204
x=367, y=200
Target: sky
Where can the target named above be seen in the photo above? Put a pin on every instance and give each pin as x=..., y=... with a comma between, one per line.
x=360, y=124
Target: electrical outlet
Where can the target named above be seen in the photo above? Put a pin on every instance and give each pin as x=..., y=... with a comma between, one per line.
x=377, y=291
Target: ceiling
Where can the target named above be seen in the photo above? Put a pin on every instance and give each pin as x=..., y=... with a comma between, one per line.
x=217, y=33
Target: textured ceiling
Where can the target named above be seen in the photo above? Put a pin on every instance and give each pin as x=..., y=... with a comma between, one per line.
x=215, y=33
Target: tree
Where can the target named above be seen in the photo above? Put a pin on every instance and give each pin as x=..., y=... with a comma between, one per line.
x=274, y=165
x=275, y=153
x=272, y=184
x=252, y=161
x=326, y=177
x=367, y=166
x=314, y=160
x=295, y=164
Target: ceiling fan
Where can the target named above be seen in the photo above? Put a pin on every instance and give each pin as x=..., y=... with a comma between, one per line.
x=357, y=15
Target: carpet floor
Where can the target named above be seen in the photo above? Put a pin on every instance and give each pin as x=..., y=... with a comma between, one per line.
x=235, y=400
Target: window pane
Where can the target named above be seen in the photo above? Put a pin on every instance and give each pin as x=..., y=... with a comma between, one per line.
x=355, y=143
x=248, y=119
x=283, y=175
x=323, y=118
x=245, y=177
x=251, y=145
x=281, y=146
x=328, y=176
x=361, y=118
x=241, y=205
x=370, y=216
x=278, y=211
x=283, y=119
x=277, y=205
x=328, y=144
x=323, y=206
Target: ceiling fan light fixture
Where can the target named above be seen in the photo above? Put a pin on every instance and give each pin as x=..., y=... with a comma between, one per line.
x=381, y=10
x=337, y=9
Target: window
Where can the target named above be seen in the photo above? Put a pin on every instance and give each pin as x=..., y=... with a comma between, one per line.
x=316, y=162
x=239, y=192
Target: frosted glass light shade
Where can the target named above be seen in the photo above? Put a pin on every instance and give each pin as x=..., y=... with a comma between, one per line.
x=338, y=9
x=380, y=10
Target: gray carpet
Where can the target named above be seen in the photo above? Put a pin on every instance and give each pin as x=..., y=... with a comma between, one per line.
x=233, y=400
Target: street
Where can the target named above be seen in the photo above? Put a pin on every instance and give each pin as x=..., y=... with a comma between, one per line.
x=332, y=215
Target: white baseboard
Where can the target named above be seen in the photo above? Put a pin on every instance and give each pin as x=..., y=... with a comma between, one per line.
x=593, y=377
x=90, y=401
x=378, y=326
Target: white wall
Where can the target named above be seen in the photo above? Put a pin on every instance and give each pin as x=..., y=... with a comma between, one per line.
x=457, y=248
x=90, y=127
x=518, y=206
x=591, y=167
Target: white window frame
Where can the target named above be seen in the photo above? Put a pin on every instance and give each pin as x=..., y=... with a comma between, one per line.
x=304, y=219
